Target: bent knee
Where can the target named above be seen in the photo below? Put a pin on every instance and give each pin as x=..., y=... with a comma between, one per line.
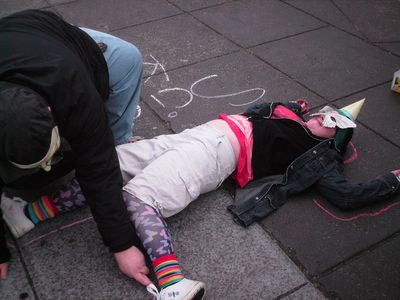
x=131, y=56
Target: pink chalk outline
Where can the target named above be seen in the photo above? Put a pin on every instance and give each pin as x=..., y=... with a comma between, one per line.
x=352, y=158
x=363, y=215
x=57, y=230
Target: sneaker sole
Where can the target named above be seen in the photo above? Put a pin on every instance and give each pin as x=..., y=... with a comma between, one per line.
x=198, y=292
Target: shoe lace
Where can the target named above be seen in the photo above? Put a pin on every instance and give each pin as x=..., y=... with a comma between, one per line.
x=151, y=288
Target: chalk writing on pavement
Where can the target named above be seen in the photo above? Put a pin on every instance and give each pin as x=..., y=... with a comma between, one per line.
x=196, y=90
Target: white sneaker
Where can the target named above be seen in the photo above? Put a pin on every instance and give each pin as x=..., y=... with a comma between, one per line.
x=14, y=216
x=185, y=289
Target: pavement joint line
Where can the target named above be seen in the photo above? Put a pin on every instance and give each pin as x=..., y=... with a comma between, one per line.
x=194, y=63
x=293, y=290
x=380, y=135
x=358, y=255
x=290, y=77
x=204, y=8
x=216, y=31
x=326, y=22
x=363, y=37
x=27, y=274
x=80, y=221
x=289, y=254
x=349, y=20
x=146, y=22
x=288, y=36
x=360, y=91
x=155, y=114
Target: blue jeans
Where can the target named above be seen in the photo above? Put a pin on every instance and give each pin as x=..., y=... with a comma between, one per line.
x=125, y=67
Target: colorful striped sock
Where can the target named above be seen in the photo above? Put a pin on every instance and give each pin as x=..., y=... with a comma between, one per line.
x=41, y=209
x=167, y=270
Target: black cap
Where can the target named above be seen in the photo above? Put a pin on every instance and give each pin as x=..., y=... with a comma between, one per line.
x=26, y=124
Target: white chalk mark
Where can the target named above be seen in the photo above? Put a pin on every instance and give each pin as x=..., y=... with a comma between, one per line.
x=158, y=101
x=156, y=65
x=226, y=95
x=172, y=114
x=138, y=112
x=179, y=89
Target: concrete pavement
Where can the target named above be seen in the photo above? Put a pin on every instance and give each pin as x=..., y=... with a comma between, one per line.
x=205, y=57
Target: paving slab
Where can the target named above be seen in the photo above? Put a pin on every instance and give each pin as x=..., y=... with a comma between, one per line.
x=319, y=241
x=9, y=7
x=72, y=262
x=307, y=292
x=377, y=268
x=391, y=47
x=250, y=23
x=208, y=242
x=148, y=124
x=17, y=284
x=114, y=14
x=327, y=11
x=66, y=259
x=376, y=19
x=380, y=112
x=197, y=4
x=330, y=62
x=175, y=42
x=227, y=84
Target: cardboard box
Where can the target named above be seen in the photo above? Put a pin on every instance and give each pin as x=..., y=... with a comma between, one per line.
x=396, y=82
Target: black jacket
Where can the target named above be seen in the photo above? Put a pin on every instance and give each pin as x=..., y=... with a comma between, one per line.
x=320, y=166
x=65, y=66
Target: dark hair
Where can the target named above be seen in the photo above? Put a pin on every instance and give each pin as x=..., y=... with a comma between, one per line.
x=342, y=139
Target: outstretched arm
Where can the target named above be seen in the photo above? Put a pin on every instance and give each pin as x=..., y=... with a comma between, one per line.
x=348, y=195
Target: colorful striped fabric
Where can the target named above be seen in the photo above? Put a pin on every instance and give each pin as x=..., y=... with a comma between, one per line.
x=167, y=270
x=41, y=209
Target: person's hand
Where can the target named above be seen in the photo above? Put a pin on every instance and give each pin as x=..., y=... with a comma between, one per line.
x=396, y=172
x=3, y=271
x=131, y=262
x=304, y=105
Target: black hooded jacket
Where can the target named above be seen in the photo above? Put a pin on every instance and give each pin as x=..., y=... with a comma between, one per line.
x=61, y=64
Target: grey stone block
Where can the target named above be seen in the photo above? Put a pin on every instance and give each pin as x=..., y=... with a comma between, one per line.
x=320, y=241
x=327, y=11
x=307, y=292
x=250, y=23
x=197, y=4
x=175, y=42
x=380, y=113
x=148, y=124
x=374, y=18
x=330, y=62
x=234, y=262
x=391, y=47
x=114, y=14
x=373, y=275
x=9, y=7
x=67, y=261
x=227, y=84
x=17, y=284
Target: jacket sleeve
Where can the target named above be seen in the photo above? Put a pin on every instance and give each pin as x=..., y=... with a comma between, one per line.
x=97, y=169
x=348, y=195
